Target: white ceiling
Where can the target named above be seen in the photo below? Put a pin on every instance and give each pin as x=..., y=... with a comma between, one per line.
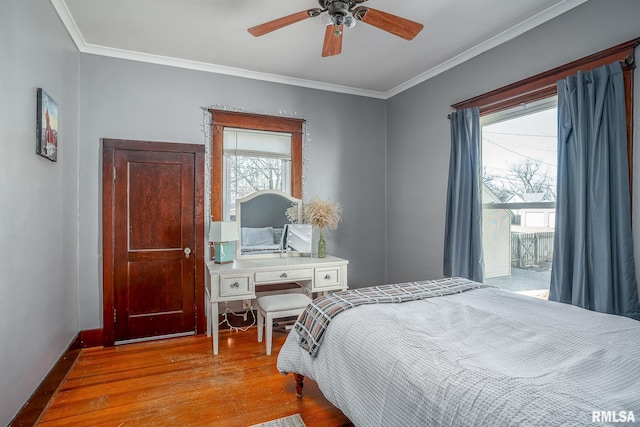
x=211, y=35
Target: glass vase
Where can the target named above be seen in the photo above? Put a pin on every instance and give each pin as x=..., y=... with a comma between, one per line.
x=322, y=246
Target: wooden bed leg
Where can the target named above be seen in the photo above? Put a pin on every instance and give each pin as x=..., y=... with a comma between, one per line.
x=299, y=384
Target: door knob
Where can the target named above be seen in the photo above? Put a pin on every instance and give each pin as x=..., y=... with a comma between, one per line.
x=187, y=251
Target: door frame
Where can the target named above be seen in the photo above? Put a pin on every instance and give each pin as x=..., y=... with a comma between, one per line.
x=109, y=146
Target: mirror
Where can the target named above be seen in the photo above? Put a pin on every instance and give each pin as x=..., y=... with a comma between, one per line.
x=264, y=226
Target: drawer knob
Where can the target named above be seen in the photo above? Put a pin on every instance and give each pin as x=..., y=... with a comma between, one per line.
x=235, y=285
x=283, y=275
x=327, y=277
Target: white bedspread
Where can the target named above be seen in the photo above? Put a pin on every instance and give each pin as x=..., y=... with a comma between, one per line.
x=485, y=357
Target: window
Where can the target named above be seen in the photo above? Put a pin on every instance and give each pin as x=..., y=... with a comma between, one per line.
x=256, y=138
x=519, y=164
x=254, y=161
x=504, y=105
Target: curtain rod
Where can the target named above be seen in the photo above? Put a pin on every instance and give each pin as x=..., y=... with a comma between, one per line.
x=545, y=82
x=627, y=62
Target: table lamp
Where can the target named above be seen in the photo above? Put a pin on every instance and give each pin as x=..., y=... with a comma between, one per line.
x=222, y=234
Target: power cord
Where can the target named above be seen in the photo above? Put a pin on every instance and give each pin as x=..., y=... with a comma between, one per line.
x=225, y=320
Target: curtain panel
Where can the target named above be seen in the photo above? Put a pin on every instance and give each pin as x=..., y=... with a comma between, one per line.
x=463, y=228
x=593, y=264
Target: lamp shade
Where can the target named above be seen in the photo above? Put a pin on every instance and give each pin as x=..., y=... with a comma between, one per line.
x=223, y=231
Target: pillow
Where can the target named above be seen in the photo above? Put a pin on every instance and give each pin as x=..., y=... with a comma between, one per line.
x=256, y=236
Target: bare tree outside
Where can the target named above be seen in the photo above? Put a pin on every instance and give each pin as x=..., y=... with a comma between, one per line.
x=531, y=177
x=523, y=177
x=496, y=184
x=250, y=174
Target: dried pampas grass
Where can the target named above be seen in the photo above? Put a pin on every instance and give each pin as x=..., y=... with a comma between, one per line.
x=322, y=213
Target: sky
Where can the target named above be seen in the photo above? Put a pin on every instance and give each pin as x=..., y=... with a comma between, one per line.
x=533, y=136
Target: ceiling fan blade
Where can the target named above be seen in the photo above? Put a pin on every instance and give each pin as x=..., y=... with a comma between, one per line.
x=332, y=40
x=267, y=27
x=393, y=24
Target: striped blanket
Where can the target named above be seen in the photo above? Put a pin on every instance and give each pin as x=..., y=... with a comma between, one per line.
x=313, y=322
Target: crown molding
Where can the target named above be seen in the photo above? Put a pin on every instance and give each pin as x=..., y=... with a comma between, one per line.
x=221, y=69
x=503, y=37
x=84, y=47
x=67, y=20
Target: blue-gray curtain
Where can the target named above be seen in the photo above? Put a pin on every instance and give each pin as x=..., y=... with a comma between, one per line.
x=463, y=228
x=593, y=264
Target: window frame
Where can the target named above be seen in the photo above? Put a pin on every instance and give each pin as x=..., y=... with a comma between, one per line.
x=242, y=120
x=544, y=85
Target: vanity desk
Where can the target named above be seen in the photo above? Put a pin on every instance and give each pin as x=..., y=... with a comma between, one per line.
x=241, y=280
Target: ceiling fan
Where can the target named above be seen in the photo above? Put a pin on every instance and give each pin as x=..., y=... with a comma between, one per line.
x=341, y=13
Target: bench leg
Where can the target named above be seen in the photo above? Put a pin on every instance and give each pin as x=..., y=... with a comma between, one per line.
x=269, y=332
x=260, y=324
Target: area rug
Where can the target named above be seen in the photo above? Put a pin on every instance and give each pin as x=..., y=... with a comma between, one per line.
x=290, y=421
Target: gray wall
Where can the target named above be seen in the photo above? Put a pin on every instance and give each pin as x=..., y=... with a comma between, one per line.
x=38, y=212
x=134, y=100
x=418, y=129
x=50, y=219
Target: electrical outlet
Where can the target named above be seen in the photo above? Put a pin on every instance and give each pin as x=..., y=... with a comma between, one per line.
x=246, y=304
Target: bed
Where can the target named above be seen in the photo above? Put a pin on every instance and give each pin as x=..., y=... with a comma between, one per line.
x=478, y=357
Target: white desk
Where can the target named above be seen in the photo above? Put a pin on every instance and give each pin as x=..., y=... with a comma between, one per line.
x=239, y=280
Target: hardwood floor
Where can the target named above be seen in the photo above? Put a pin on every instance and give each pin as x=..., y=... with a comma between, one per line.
x=179, y=382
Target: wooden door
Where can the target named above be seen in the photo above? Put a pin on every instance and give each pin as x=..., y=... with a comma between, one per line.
x=157, y=241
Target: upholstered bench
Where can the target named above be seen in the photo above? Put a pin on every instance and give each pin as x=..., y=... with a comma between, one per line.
x=272, y=307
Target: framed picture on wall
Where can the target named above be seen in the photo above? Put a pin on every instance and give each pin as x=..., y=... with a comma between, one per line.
x=47, y=126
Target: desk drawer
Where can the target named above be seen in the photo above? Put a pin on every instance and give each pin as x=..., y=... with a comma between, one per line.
x=284, y=275
x=235, y=286
x=327, y=277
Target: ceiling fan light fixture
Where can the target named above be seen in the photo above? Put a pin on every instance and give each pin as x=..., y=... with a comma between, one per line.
x=349, y=21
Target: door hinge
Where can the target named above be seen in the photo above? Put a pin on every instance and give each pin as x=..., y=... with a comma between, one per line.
x=114, y=173
x=114, y=316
